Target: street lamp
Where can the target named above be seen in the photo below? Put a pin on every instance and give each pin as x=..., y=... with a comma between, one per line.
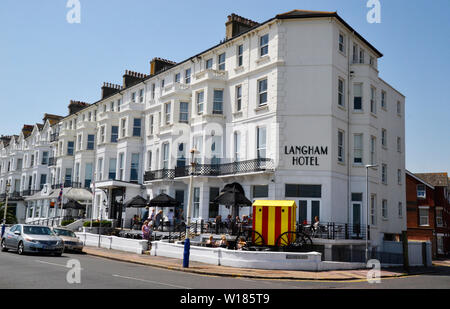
x=8, y=185
x=187, y=241
x=367, y=208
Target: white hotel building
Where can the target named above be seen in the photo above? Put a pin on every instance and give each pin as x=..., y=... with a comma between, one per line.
x=292, y=108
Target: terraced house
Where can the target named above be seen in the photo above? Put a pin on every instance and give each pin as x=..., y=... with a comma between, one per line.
x=290, y=108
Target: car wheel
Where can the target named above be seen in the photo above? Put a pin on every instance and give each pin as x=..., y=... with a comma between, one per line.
x=4, y=248
x=21, y=248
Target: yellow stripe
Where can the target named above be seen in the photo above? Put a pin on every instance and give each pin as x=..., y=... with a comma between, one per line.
x=284, y=219
x=271, y=227
x=270, y=203
x=258, y=220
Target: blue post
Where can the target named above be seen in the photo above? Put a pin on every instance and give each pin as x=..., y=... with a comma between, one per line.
x=187, y=248
x=3, y=230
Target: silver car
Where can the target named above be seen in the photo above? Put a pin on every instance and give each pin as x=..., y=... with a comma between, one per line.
x=71, y=241
x=32, y=238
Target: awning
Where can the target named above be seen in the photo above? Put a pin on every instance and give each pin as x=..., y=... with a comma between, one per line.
x=136, y=202
x=164, y=200
x=69, y=193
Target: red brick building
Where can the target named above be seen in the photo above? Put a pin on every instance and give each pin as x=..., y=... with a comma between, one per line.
x=428, y=206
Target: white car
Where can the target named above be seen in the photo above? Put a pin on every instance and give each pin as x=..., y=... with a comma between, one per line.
x=71, y=241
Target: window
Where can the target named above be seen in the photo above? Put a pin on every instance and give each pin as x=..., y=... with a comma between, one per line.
x=209, y=63
x=141, y=95
x=264, y=45
x=240, y=55
x=384, y=138
x=218, y=102
x=121, y=166
x=341, y=94
x=372, y=61
x=213, y=207
x=196, y=211
x=238, y=98
x=166, y=156
x=177, y=77
x=439, y=217
x=124, y=127
x=134, y=171
x=237, y=146
x=187, y=76
x=79, y=143
x=151, y=123
x=260, y=191
x=304, y=191
x=400, y=209
x=358, y=148
x=90, y=142
x=167, y=113
x=399, y=176
x=373, y=210
x=383, y=99
x=119, y=103
x=112, y=169
x=100, y=169
x=184, y=112
x=112, y=106
x=261, y=142
x=421, y=191
x=137, y=127
x=340, y=146
x=399, y=144
x=44, y=160
x=423, y=216
x=384, y=174
x=262, y=91
x=153, y=90
x=200, y=99
x=114, y=134
x=70, y=146
x=216, y=150
x=133, y=97
x=355, y=53
x=87, y=175
x=373, y=102
x=373, y=144
x=357, y=97
x=361, y=55
x=341, y=43
x=384, y=209
x=149, y=160
x=198, y=145
x=221, y=62
x=399, y=108
x=102, y=134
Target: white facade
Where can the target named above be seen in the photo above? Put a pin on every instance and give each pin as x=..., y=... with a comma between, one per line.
x=296, y=102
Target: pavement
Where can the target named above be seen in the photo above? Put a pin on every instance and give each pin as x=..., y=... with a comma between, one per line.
x=224, y=271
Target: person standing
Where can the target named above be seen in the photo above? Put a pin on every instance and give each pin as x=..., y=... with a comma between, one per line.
x=145, y=214
x=170, y=217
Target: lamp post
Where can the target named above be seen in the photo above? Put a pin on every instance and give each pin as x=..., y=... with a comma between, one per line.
x=8, y=185
x=187, y=241
x=367, y=208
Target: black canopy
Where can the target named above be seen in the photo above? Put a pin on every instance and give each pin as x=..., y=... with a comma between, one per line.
x=71, y=204
x=233, y=195
x=136, y=202
x=164, y=200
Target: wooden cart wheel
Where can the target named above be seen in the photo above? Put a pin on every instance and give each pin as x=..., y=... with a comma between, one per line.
x=293, y=241
x=251, y=237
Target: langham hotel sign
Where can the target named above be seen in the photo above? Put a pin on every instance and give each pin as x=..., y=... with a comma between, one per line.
x=306, y=155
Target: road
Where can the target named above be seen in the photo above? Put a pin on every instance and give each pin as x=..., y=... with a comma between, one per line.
x=47, y=272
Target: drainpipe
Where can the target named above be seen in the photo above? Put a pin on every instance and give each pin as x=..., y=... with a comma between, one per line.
x=348, y=129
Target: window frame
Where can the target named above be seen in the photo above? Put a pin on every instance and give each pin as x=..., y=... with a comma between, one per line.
x=263, y=92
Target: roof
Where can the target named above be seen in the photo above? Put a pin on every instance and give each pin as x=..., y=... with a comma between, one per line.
x=419, y=179
x=271, y=203
x=436, y=179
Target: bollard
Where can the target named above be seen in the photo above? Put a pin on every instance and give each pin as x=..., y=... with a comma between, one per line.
x=187, y=247
x=3, y=230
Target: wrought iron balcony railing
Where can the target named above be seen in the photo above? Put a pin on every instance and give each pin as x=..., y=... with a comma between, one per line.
x=51, y=161
x=54, y=137
x=234, y=168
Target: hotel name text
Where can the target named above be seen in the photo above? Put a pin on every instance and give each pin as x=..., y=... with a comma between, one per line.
x=306, y=155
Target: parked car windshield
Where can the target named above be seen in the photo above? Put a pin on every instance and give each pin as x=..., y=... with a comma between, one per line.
x=64, y=233
x=37, y=230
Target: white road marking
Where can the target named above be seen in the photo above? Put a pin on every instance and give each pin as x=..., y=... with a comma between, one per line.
x=148, y=281
x=54, y=264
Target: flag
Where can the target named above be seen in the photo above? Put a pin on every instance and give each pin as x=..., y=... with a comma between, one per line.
x=60, y=195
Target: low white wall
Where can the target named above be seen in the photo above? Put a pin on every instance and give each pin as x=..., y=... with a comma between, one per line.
x=415, y=254
x=113, y=242
x=252, y=259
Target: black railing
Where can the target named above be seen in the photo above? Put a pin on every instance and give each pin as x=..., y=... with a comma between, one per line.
x=333, y=230
x=242, y=167
x=54, y=137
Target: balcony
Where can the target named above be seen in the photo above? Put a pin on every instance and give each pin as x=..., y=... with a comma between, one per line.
x=52, y=161
x=227, y=169
x=176, y=89
x=210, y=74
x=54, y=137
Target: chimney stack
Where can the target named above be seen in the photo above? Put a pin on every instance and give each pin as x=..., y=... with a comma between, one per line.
x=76, y=106
x=237, y=25
x=131, y=78
x=51, y=117
x=109, y=89
x=158, y=64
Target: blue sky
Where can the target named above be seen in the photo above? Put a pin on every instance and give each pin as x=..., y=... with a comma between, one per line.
x=45, y=61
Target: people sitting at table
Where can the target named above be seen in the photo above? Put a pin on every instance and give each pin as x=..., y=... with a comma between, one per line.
x=210, y=242
x=241, y=243
x=223, y=243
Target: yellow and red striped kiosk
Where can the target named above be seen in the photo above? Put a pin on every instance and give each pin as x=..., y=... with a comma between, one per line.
x=273, y=218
